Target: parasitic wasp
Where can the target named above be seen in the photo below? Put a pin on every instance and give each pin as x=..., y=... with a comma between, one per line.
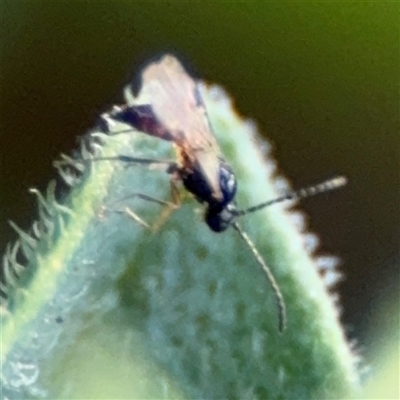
x=169, y=106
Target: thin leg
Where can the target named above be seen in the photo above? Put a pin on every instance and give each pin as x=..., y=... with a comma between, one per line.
x=171, y=169
x=128, y=211
x=171, y=206
x=171, y=165
x=143, y=197
x=135, y=217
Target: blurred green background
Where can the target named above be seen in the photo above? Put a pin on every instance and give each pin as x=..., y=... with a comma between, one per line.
x=321, y=79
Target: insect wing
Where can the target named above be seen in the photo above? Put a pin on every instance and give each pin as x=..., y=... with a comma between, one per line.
x=174, y=100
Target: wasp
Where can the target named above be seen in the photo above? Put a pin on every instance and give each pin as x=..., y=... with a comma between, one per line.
x=169, y=106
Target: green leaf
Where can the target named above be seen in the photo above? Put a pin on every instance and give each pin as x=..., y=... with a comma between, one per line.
x=106, y=309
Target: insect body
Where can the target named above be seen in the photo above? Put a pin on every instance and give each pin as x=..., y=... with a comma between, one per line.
x=169, y=106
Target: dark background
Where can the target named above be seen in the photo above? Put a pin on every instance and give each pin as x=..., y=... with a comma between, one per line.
x=320, y=78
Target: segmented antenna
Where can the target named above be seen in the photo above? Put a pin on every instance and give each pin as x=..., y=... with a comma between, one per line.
x=322, y=187
x=275, y=287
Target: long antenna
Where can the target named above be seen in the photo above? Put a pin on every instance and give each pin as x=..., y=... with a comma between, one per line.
x=322, y=187
x=275, y=287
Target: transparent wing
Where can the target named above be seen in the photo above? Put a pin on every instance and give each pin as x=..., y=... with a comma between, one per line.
x=177, y=106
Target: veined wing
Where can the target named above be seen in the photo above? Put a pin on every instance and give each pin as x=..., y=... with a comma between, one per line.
x=176, y=103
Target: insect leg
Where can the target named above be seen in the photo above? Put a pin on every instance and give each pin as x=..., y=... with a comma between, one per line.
x=171, y=206
x=135, y=217
x=128, y=211
x=171, y=167
x=170, y=164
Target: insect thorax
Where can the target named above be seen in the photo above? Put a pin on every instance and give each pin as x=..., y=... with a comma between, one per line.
x=218, y=216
